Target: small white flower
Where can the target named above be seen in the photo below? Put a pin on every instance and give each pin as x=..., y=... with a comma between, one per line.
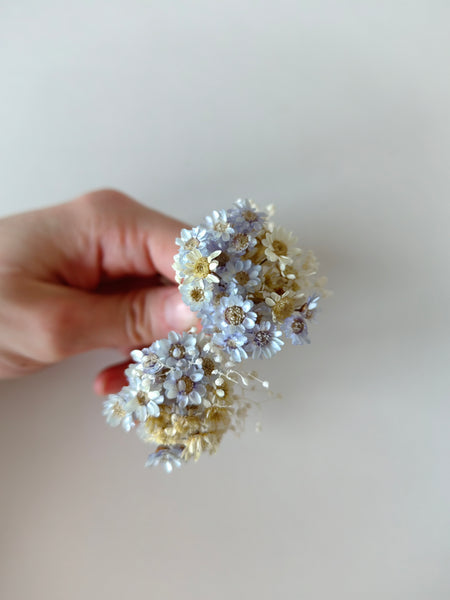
x=199, y=267
x=192, y=239
x=196, y=294
x=219, y=223
x=282, y=306
x=280, y=247
x=147, y=361
x=117, y=412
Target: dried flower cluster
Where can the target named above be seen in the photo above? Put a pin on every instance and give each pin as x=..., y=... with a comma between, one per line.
x=250, y=286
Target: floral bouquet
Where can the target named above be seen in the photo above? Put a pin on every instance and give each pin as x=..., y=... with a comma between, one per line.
x=250, y=287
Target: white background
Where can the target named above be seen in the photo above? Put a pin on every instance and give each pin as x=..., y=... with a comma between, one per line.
x=338, y=112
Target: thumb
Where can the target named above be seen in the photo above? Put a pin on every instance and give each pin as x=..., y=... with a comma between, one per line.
x=135, y=318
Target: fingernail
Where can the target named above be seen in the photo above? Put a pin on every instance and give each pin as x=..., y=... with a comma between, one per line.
x=178, y=315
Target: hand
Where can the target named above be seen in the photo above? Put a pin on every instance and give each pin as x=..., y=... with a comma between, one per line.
x=94, y=272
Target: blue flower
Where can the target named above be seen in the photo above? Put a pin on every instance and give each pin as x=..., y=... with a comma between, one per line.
x=294, y=327
x=246, y=218
x=235, y=312
x=244, y=274
x=309, y=308
x=147, y=361
x=264, y=340
x=177, y=347
x=218, y=222
x=192, y=239
x=241, y=243
x=183, y=384
x=233, y=343
x=167, y=456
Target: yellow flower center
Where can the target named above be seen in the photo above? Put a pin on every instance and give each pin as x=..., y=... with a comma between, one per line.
x=201, y=268
x=279, y=248
x=188, y=384
x=149, y=360
x=240, y=242
x=242, y=277
x=283, y=309
x=297, y=326
x=119, y=411
x=307, y=313
x=220, y=226
x=208, y=366
x=197, y=294
x=177, y=351
x=192, y=244
x=234, y=315
x=141, y=399
x=250, y=216
x=262, y=338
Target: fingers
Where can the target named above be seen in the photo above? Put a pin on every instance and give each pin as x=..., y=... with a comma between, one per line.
x=115, y=237
x=48, y=322
x=87, y=274
x=111, y=379
x=133, y=319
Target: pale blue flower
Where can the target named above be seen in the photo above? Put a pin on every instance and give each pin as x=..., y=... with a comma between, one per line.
x=233, y=343
x=167, y=456
x=235, y=312
x=243, y=274
x=192, y=239
x=218, y=222
x=295, y=328
x=241, y=243
x=309, y=308
x=184, y=384
x=245, y=217
x=264, y=340
x=177, y=347
x=147, y=361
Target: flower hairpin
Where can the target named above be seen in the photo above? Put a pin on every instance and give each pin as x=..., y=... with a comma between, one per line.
x=250, y=287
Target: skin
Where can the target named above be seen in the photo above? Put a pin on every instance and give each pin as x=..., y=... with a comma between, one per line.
x=95, y=272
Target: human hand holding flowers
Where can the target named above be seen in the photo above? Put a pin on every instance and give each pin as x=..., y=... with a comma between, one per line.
x=94, y=272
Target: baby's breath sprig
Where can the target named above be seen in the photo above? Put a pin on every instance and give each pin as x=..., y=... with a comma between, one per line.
x=250, y=287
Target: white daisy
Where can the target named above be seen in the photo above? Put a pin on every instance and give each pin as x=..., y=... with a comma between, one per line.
x=196, y=294
x=192, y=239
x=280, y=247
x=117, y=412
x=219, y=223
x=282, y=306
x=199, y=267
